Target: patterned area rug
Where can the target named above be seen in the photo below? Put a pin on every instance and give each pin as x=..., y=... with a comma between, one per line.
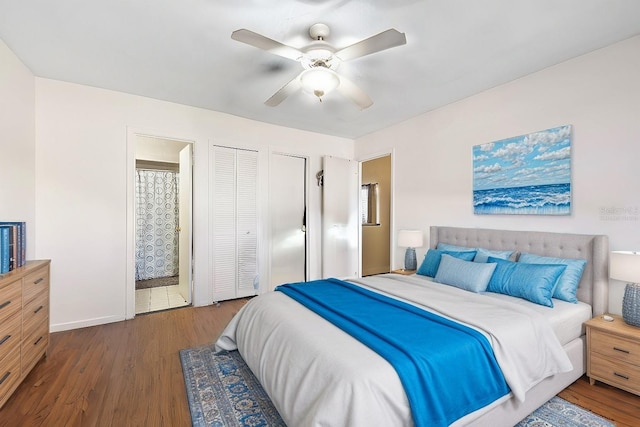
x=558, y=412
x=223, y=392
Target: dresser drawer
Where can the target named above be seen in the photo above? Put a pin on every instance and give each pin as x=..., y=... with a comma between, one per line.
x=615, y=347
x=10, y=300
x=9, y=372
x=10, y=336
x=35, y=283
x=615, y=373
x=34, y=313
x=34, y=346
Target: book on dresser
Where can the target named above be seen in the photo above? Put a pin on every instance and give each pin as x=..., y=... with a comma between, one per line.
x=5, y=257
x=16, y=248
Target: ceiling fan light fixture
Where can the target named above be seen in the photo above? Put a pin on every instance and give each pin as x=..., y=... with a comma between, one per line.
x=319, y=81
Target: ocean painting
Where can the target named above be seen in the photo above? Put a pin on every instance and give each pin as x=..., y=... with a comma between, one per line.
x=527, y=174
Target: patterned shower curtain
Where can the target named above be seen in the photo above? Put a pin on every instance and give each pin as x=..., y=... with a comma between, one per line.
x=156, y=224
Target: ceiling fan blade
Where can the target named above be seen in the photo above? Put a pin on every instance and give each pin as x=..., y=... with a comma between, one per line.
x=289, y=89
x=354, y=93
x=384, y=40
x=262, y=42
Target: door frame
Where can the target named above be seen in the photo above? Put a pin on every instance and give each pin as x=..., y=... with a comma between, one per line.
x=130, y=282
x=392, y=226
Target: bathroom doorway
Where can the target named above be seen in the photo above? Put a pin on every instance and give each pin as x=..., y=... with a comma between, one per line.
x=163, y=239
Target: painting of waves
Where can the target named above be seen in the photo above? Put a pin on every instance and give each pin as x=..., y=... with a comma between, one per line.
x=528, y=174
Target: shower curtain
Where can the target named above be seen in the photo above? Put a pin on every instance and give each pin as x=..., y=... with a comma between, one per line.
x=156, y=224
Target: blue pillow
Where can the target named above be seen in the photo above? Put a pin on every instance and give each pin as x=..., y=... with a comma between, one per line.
x=482, y=254
x=431, y=261
x=533, y=282
x=453, y=248
x=467, y=275
x=569, y=281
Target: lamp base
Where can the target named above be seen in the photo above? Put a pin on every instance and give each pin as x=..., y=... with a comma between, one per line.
x=410, y=262
x=631, y=304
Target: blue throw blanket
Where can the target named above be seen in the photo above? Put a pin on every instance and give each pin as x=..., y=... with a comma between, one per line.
x=447, y=369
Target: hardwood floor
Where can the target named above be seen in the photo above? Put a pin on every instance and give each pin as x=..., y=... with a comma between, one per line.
x=121, y=374
x=619, y=406
x=129, y=374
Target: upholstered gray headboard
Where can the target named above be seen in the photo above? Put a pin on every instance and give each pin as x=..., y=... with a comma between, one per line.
x=594, y=285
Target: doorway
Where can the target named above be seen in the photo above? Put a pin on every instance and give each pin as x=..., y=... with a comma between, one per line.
x=163, y=238
x=375, y=216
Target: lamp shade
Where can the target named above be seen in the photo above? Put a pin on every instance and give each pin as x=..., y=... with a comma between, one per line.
x=625, y=265
x=410, y=238
x=319, y=81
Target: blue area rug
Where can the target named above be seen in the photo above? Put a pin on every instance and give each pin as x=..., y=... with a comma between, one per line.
x=223, y=392
x=559, y=413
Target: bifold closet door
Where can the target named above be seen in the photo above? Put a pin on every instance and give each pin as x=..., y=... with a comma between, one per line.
x=234, y=222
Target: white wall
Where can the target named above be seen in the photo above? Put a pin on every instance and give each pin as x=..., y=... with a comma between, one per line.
x=17, y=143
x=81, y=188
x=598, y=93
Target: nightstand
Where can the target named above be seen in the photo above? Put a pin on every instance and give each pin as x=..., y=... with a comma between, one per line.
x=404, y=272
x=613, y=353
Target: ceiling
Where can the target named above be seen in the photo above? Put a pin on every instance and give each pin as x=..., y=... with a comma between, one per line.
x=182, y=51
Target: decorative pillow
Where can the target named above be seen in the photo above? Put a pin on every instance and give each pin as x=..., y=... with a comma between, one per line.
x=482, y=254
x=453, y=248
x=533, y=282
x=467, y=275
x=431, y=261
x=568, y=283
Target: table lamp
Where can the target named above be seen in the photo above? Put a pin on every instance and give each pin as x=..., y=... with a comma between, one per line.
x=625, y=265
x=410, y=239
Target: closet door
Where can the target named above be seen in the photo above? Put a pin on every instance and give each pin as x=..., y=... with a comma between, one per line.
x=233, y=222
x=340, y=218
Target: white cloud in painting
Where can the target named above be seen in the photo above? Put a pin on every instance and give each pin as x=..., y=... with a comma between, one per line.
x=561, y=154
x=539, y=158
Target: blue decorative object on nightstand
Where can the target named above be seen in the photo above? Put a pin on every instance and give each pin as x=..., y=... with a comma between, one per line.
x=410, y=239
x=410, y=262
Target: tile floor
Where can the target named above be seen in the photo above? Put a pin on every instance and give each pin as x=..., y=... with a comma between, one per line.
x=156, y=299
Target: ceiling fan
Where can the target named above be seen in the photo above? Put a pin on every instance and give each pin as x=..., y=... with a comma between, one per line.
x=320, y=60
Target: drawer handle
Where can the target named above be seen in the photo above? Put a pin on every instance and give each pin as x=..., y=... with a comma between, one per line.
x=38, y=309
x=621, y=350
x=4, y=304
x=38, y=340
x=38, y=281
x=3, y=340
x=5, y=376
x=621, y=376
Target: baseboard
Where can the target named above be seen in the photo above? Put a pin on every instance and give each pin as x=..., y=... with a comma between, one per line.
x=59, y=327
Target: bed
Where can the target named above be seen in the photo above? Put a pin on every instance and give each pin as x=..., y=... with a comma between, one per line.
x=318, y=375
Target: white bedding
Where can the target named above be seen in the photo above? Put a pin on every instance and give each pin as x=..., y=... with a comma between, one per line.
x=317, y=375
x=566, y=319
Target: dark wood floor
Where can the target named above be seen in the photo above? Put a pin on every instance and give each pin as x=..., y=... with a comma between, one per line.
x=129, y=374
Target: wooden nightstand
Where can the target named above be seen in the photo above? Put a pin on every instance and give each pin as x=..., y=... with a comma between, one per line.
x=404, y=272
x=613, y=353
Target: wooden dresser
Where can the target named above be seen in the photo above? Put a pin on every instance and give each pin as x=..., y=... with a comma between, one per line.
x=613, y=353
x=24, y=323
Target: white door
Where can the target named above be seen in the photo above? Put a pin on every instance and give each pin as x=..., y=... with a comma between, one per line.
x=340, y=218
x=185, y=243
x=234, y=222
x=287, y=199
